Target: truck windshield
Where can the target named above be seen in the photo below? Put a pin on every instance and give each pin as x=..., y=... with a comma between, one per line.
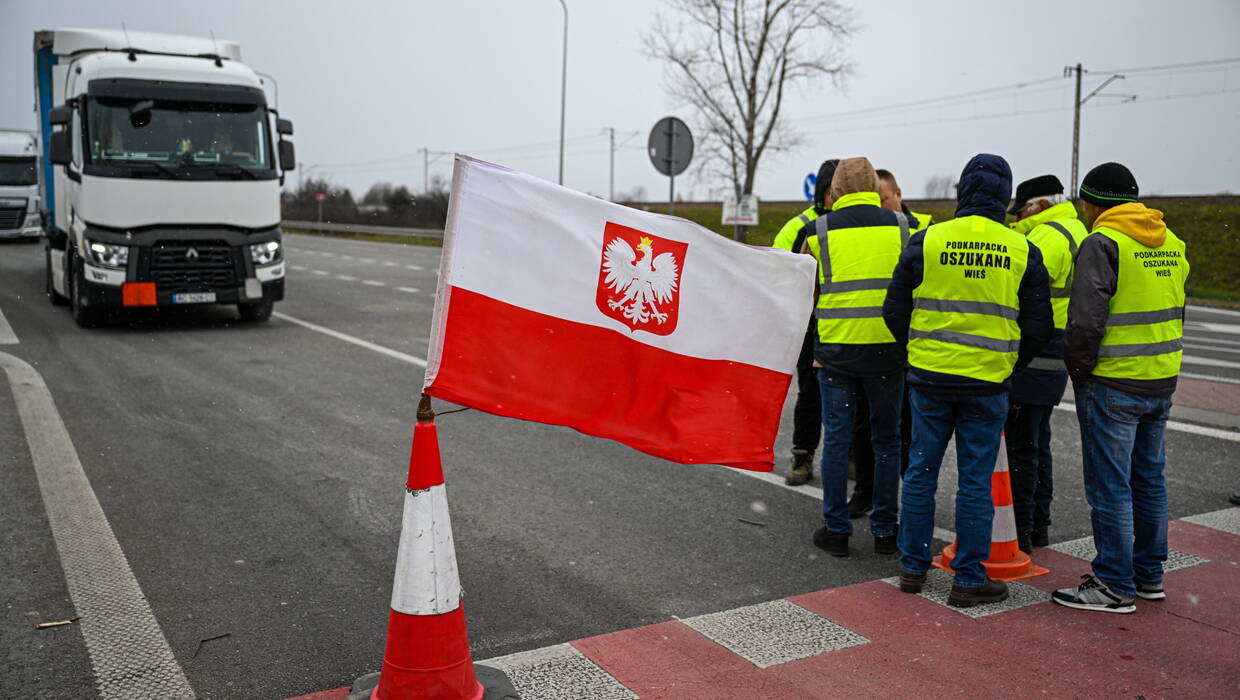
x=18, y=171
x=196, y=140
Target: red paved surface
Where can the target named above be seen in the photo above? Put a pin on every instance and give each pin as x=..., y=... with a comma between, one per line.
x=1212, y=396
x=1187, y=646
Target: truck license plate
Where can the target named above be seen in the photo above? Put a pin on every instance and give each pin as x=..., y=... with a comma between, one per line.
x=194, y=298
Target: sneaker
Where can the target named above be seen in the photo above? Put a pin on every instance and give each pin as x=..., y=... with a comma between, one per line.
x=833, y=544
x=1093, y=595
x=912, y=583
x=802, y=468
x=990, y=592
x=1041, y=537
x=884, y=544
x=1151, y=591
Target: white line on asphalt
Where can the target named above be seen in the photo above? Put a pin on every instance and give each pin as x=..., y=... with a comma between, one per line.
x=1210, y=362
x=1199, y=346
x=1210, y=378
x=1230, y=328
x=298, y=268
x=7, y=336
x=410, y=290
x=374, y=283
x=1214, y=341
x=369, y=261
x=128, y=651
x=1191, y=428
x=815, y=492
x=346, y=278
x=342, y=256
x=1212, y=310
x=351, y=339
x=412, y=267
x=321, y=272
x=323, y=252
x=389, y=263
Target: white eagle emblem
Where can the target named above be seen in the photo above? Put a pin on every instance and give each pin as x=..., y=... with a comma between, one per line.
x=643, y=284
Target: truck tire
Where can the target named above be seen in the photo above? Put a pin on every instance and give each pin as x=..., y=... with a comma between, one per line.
x=256, y=312
x=56, y=298
x=85, y=316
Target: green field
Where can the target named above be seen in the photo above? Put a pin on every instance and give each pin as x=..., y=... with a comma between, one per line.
x=1210, y=226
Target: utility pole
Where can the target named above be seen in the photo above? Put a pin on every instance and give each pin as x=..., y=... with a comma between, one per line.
x=426, y=168
x=1076, y=127
x=611, y=177
x=563, y=88
x=1076, y=115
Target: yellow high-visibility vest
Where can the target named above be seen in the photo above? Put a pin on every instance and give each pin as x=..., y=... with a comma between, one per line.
x=1058, y=234
x=1143, y=337
x=787, y=236
x=965, y=309
x=855, y=265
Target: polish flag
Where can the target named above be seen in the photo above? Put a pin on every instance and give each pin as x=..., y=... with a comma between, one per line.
x=558, y=307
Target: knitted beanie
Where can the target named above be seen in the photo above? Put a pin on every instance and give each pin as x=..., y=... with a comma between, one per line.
x=1108, y=185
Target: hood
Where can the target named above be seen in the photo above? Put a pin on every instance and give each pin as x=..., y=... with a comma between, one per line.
x=985, y=187
x=826, y=171
x=1059, y=212
x=1137, y=221
x=853, y=175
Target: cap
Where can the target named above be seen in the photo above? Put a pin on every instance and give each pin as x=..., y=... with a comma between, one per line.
x=1033, y=188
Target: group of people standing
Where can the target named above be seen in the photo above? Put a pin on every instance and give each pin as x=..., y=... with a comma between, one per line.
x=971, y=328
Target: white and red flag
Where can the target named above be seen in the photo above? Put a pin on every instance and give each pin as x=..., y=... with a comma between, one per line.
x=558, y=307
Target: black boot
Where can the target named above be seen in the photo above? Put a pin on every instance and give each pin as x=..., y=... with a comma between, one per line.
x=990, y=592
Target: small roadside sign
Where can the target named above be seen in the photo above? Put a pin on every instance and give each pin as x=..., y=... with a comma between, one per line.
x=320, y=196
x=811, y=181
x=742, y=213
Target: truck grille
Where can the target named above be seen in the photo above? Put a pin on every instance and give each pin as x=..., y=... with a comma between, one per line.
x=186, y=266
x=12, y=217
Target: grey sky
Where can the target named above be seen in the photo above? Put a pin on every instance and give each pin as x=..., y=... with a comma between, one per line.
x=370, y=80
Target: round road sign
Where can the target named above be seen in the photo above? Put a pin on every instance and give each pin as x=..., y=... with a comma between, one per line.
x=670, y=146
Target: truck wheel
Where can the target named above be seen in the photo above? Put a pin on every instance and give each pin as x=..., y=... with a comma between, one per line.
x=256, y=312
x=85, y=316
x=56, y=298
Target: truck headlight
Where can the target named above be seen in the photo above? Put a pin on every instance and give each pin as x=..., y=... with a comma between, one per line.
x=108, y=255
x=265, y=253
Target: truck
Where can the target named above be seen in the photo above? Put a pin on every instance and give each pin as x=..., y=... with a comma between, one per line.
x=19, y=184
x=160, y=176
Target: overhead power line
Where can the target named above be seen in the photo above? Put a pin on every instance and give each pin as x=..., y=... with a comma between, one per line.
x=1173, y=66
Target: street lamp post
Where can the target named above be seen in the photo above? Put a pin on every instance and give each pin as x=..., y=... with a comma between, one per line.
x=563, y=88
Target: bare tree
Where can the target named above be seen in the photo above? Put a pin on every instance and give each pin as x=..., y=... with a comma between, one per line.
x=939, y=187
x=732, y=62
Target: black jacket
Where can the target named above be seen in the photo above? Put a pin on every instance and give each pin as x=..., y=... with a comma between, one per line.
x=985, y=186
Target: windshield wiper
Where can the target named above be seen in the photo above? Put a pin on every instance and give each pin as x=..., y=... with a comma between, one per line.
x=163, y=169
x=239, y=168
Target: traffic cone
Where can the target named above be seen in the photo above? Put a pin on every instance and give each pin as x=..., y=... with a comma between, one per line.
x=1006, y=562
x=427, y=651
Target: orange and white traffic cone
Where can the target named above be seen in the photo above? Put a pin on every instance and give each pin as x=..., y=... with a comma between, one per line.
x=1006, y=562
x=427, y=651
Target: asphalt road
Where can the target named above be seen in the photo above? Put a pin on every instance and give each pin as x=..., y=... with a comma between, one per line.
x=252, y=475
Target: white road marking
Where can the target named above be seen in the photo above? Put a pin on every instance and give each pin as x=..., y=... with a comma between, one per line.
x=942, y=534
x=7, y=336
x=1210, y=378
x=1212, y=341
x=1229, y=328
x=1231, y=350
x=412, y=267
x=1210, y=362
x=128, y=651
x=410, y=290
x=321, y=272
x=374, y=283
x=1177, y=425
x=345, y=257
x=351, y=339
x=346, y=278
x=1212, y=310
x=368, y=261
x=389, y=263
x=298, y=268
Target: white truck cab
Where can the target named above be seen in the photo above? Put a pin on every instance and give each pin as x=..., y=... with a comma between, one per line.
x=19, y=185
x=161, y=175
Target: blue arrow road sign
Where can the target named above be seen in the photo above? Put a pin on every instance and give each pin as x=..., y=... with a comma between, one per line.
x=810, y=181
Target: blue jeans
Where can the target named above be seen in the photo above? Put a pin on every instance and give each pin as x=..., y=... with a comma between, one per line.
x=840, y=392
x=1123, y=452
x=977, y=422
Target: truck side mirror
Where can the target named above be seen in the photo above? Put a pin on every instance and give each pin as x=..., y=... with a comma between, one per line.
x=284, y=127
x=60, y=115
x=287, y=159
x=60, y=148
